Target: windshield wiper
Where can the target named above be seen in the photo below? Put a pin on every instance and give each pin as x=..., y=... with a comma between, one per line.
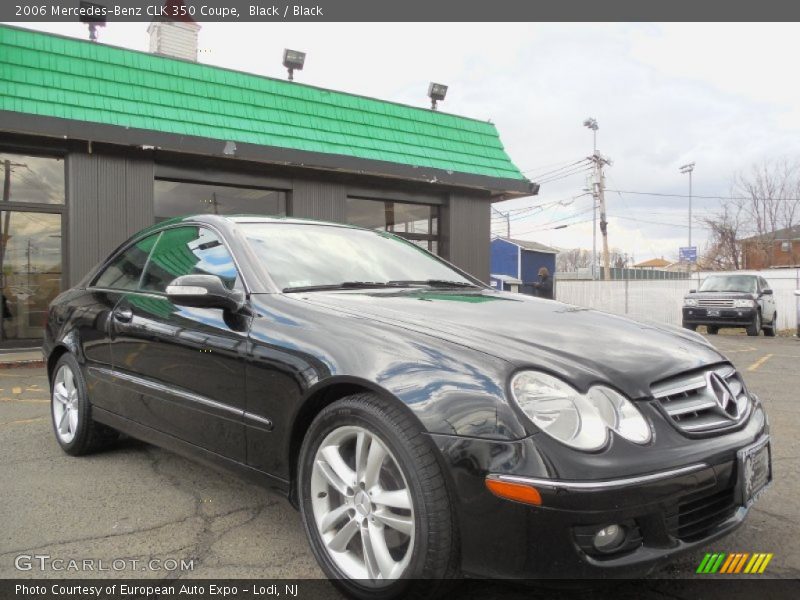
x=345, y=285
x=432, y=283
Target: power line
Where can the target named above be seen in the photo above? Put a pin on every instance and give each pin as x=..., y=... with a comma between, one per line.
x=704, y=197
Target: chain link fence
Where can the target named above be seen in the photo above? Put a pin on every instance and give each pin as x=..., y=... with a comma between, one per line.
x=662, y=300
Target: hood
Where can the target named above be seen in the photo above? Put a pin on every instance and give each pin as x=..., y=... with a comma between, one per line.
x=721, y=295
x=580, y=345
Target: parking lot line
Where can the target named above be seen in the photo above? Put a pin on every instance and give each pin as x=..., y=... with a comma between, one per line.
x=757, y=365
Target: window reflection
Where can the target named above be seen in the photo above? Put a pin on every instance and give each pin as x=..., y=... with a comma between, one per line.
x=30, y=263
x=35, y=179
x=178, y=198
x=418, y=223
x=188, y=251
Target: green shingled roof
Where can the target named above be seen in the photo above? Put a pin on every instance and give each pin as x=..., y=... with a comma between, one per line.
x=47, y=75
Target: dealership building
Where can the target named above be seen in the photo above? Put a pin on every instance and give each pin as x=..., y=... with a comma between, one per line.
x=97, y=142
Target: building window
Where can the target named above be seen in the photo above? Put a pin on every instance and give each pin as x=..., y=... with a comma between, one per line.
x=786, y=246
x=32, y=179
x=180, y=198
x=31, y=244
x=418, y=223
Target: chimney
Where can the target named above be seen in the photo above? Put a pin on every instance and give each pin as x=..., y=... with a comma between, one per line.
x=175, y=36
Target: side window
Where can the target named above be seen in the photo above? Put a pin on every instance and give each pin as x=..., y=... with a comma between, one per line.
x=764, y=284
x=188, y=251
x=125, y=270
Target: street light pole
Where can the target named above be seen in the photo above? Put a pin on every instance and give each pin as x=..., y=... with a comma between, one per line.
x=689, y=168
x=591, y=123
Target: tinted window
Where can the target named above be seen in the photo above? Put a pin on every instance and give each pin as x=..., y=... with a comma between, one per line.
x=125, y=271
x=177, y=198
x=729, y=283
x=188, y=251
x=36, y=179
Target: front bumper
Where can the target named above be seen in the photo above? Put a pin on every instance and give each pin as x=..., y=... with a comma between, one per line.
x=732, y=317
x=666, y=513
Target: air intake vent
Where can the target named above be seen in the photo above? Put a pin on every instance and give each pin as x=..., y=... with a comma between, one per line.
x=704, y=401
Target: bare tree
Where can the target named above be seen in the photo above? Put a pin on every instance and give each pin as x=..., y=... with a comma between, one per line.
x=569, y=261
x=771, y=192
x=723, y=251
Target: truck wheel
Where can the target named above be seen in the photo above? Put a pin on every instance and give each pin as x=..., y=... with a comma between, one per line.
x=755, y=327
x=712, y=329
x=770, y=330
x=690, y=327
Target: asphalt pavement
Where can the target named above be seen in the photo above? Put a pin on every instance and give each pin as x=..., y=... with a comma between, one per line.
x=138, y=503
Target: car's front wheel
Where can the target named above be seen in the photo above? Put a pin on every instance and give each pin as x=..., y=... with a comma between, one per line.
x=374, y=501
x=76, y=432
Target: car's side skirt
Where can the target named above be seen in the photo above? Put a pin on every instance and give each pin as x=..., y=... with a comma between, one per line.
x=178, y=446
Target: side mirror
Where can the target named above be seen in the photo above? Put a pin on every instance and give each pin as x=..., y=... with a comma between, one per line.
x=692, y=291
x=204, y=291
x=767, y=292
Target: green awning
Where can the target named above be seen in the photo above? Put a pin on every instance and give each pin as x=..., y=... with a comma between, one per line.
x=52, y=76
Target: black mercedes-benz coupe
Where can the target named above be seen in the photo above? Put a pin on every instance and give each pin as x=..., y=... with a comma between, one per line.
x=424, y=424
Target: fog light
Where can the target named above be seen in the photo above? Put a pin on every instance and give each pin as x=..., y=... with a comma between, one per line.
x=609, y=538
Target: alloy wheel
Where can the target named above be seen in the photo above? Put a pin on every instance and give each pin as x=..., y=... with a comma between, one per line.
x=65, y=404
x=362, y=506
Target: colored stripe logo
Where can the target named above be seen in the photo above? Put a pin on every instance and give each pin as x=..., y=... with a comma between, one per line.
x=736, y=562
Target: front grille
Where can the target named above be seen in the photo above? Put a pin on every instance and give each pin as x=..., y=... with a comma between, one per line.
x=693, y=401
x=715, y=302
x=699, y=514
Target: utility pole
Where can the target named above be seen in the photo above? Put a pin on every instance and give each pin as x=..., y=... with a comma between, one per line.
x=601, y=186
x=598, y=197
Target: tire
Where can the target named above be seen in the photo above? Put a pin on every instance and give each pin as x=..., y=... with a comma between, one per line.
x=712, y=329
x=422, y=550
x=771, y=329
x=755, y=327
x=71, y=411
x=690, y=327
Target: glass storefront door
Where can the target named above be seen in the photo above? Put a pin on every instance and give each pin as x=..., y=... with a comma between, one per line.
x=31, y=267
x=31, y=261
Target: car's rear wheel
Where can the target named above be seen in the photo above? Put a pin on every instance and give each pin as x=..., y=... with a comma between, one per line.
x=71, y=411
x=755, y=327
x=374, y=501
x=712, y=329
x=770, y=330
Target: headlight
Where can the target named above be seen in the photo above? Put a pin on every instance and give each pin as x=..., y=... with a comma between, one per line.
x=689, y=302
x=744, y=303
x=582, y=421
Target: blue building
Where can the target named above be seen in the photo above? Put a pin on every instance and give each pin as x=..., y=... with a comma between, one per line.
x=520, y=259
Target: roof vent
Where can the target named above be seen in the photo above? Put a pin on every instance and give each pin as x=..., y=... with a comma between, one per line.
x=175, y=36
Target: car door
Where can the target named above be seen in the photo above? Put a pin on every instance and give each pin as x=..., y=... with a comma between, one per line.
x=767, y=300
x=183, y=367
x=93, y=318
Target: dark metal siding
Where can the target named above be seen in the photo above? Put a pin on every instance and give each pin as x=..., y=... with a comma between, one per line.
x=322, y=200
x=109, y=199
x=466, y=233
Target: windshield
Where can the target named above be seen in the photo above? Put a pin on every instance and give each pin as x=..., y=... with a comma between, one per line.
x=729, y=283
x=301, y=256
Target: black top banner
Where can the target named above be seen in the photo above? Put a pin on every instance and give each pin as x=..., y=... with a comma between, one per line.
x=232, y=11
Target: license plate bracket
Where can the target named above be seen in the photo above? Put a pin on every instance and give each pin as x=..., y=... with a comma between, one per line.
x=754, y=471
x=713, y=313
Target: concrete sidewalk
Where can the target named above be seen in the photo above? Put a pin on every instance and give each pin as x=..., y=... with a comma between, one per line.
x=21, y=358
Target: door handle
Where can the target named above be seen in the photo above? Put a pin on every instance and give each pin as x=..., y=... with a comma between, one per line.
x=123, y=315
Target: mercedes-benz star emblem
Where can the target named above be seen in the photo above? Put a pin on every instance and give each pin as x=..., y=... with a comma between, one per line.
x=719, y=390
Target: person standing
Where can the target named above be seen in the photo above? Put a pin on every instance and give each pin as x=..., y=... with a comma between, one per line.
x=544, y=287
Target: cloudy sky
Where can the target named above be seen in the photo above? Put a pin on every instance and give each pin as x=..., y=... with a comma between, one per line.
x=722, y=95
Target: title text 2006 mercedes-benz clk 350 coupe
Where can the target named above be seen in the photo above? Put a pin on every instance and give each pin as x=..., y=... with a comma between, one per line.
x=424, y=424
